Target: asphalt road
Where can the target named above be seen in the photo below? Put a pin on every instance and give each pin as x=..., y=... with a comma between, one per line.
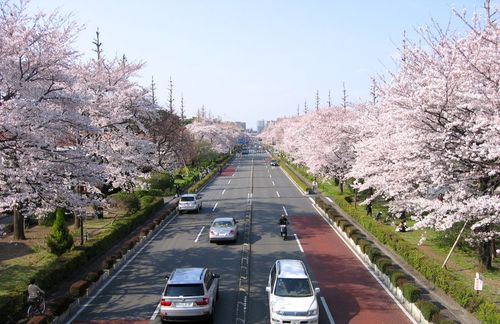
x=134, y=292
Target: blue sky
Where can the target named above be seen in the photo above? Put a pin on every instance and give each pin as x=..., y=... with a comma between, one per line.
x=259, y=59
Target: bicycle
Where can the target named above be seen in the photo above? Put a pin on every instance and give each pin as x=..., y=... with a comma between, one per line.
x=36, y=307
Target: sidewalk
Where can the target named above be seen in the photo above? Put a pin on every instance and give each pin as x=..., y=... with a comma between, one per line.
x=450, y=308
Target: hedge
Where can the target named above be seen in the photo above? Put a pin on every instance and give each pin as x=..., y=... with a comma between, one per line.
x=398, y=278
x=78, y=288
x=429, y=309
x=411, y=292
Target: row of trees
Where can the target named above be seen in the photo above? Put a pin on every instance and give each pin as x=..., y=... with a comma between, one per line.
x=429, y=144
x=70, y=126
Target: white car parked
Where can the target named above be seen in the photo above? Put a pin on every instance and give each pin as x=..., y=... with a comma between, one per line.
x=292, y=298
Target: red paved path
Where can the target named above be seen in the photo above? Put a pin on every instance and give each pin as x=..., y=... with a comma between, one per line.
x=228, y=171
x=351, y=292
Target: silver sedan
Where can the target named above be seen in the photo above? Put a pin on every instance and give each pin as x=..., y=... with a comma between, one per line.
x=223, y=229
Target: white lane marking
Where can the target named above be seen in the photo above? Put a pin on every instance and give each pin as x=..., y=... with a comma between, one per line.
x=232, y=175
x=298, y=242
x=199, y=234
x=273, y=183
x=278, y=193
x=156, y=312
x=323, y=215
x=223, y=191
x=91, y=299
x=229, y=182
x=312, y=200
x=270, y=176
x=215, y=206
x=328, y=198
x=284, y=209
x=327, y=310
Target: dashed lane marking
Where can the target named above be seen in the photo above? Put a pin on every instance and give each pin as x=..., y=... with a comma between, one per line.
x=223, y=191
x=298, y=243
x=215, y=206
x=284, y=209
x=327, y=310
x=277, y=193
x=199, y=234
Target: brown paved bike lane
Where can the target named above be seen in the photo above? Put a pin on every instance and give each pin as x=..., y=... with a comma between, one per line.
x=351, y=292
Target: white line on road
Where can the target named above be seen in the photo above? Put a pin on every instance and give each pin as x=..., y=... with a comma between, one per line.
x=273, y=183
x=91, y=299
x=156, y=312
x=328, y=198
x=277, y=193
x=284, y=209
x=215, y=206
x=229, y=182
x=298, y=242
x=198, y=237
x=270, y=176
x=223, y=191
x=327, y=310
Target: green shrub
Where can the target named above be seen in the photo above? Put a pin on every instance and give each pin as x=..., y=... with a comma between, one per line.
x=372, y=252
x=92, y=276
x=383, y=263
x=146, y=200
x=59, y=240
x=126, y=200
x=429, y=309
x=363, y=243
x=488, y=312
x=78, y=288
x=396, y=278
x=108, y=262
x=59, y=305
x=411, y=292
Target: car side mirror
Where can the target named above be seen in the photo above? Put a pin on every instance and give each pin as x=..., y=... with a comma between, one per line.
x=268, y=289
x=214, y=275
x=167, y=275
x=316, y=290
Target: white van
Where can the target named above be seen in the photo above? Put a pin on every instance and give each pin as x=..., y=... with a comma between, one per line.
x=292, y=298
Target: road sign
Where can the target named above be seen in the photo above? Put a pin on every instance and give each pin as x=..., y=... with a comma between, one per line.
x=478, y=283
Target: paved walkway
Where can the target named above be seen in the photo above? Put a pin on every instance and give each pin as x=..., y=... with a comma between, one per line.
x=450, y=307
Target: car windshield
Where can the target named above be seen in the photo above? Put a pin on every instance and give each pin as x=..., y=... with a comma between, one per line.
x=184, y=290
x=188, y=198
x=222, y=224
x=292, y=287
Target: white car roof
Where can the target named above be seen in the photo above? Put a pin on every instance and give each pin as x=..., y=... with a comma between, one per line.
x=288, y=268
x=189, y=195
x=187, y=275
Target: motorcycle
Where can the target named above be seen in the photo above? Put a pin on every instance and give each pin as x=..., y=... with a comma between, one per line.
x=283, y=231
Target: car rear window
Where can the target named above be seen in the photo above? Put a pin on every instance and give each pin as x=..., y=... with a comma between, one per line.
x=187, y=198
x=184, y=290
x=223, y=224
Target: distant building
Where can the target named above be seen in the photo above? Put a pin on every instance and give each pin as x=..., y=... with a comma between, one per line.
x=261, y=124
x=242, y=124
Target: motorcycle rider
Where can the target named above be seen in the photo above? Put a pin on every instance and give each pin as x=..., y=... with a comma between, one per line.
x=283, y=222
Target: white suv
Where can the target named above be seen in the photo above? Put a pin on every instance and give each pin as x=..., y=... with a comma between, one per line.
x=190, y=294
x=189, y=202
x=292, y=298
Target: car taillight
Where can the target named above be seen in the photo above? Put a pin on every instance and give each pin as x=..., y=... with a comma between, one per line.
x=204, y=301
x=165, y=302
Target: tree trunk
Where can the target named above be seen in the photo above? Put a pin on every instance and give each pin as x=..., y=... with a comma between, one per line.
x=18, y=224
x=341, y=185
x=484, y=256
x=78, y=221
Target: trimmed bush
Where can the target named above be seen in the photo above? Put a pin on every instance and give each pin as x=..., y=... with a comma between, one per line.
x=108, y=262
x=92, y=276
x=411, y=292
x=78, y=288
x=383, y=263
x=363, y=243
x=39, y=319
x=429, y=309
x=59, y=240
x=372, y=252
x=144, y=232
x=146, y=200
x=126, y=200
x=59, y=305
x=397, y=277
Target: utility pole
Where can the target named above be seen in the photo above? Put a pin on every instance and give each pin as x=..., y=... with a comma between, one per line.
x=171, y=96
x=98, y=44
x=317, y=100
x=182, y=106
x=344, y=96
x=153, y=89
x=305, y=107
x=373, y=91
x=329, y=99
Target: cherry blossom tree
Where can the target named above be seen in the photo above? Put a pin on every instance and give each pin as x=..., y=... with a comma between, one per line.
x=222, y=136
